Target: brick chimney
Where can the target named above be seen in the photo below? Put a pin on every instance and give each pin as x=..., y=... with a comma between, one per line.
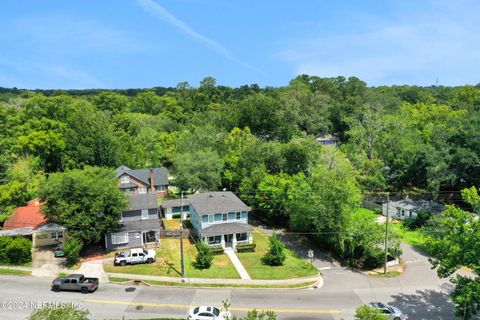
x=152, y=181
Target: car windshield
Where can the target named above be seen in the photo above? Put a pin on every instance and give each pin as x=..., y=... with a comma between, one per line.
x=216, y=312
x=195, y=311
x=390, y=309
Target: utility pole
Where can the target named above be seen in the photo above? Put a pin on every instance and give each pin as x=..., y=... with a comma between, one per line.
x=182, y=263
x=386, y=236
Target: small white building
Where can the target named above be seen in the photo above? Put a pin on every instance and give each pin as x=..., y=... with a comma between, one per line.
x=175, y=207
x=328, y=139
x=409, y=208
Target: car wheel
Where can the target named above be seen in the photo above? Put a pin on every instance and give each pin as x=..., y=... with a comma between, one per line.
x=122, y=263
x=397, y=318
x=56, y=288
x=84, y=290
x=149, y=260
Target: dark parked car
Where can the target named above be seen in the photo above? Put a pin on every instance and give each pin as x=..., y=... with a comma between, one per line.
x=59, y=252
x=75, y=282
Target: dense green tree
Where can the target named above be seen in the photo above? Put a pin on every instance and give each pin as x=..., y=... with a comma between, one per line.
x=198, y=170
x=87, y=202
x=204, y=258
x=369, y=313
x=111, y=102
x=455, y=244
x=275, y=255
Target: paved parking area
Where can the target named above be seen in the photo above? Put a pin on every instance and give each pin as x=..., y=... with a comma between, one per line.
x=45, y=264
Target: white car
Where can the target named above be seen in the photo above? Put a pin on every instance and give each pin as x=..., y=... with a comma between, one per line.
x=392, y=312
x=208, y=313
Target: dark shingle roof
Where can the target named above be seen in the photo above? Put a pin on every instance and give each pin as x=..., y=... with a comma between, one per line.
x=160, y=175
x=225, y=228
x=147, y=224
x=142, y=201
x=127, y=185
x=217, y=202
x=174, y=203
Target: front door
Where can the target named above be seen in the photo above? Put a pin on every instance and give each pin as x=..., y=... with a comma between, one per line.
x=149, y=237
x=228, y=240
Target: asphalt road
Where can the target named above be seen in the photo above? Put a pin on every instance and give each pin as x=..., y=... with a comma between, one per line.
x=418, y=292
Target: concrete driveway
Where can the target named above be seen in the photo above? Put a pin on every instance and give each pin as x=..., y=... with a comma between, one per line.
x=45, y=264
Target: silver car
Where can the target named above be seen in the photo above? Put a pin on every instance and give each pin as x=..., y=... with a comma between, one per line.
x=392, y=312
x=208, y=313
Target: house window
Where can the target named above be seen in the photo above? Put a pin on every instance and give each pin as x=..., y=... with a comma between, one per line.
x=244, y=215
x=119, y=238
x=56, y=235
x=215, y=240
x=125, y=179
x=225, y=217
x=238, y=215
x=210, y=218
x=231, y=216
x=161, y=189
x=241, y=236
x=218, y=217
x=144, y=214
x=205, y=219
x=142, y=190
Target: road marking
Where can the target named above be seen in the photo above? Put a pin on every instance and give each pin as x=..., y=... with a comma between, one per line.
x=325, y=268
x=183, y=306
x=414, y=261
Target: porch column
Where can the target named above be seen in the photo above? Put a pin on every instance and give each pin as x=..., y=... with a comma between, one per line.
x=250, y=237
x=234, y=241
x=223, y=241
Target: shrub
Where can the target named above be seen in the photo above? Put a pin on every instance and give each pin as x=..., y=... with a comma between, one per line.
x=395, y=251
x=72, y=248
x=204, y=257
x=419, y=221
x=4, y=242
x=176, y=216
x=369, y=313
x=61, y=312
x=216, y=250
x=19, y=251
x=373, y=258
x=246, y=247
x=276, y=255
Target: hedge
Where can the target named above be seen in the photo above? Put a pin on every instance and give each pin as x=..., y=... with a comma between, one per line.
x=216, y=250
x=246, y=247
x=15, y=250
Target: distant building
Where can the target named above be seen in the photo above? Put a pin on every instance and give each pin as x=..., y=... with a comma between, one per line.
x=141, y=181
x=328, y=139
x=175, y=207
x=28, y=221
x=409, y=208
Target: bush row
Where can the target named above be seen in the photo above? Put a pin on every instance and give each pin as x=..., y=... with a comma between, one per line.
x=15, y=250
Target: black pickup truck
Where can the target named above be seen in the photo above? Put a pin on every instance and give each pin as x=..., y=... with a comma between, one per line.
x=75, y=282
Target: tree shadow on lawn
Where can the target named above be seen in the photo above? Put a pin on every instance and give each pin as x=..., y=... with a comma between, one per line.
x=426, y=304
x=301, y=247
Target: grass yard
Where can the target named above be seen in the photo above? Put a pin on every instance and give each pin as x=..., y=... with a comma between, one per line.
x=365, y=213
x=293, y=267
x=415, y=238
x=211, y=285
x=168, y=263
x=171, y=224
x=15, y=272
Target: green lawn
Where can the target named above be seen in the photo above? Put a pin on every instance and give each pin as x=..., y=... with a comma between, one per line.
x=365, y=213
x=171, y=224
x=168, y=263
x=211, y=285
x=415, y=238
x=15, y=272
x=293, y=267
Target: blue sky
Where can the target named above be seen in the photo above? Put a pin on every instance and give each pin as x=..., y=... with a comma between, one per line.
x=146, y=43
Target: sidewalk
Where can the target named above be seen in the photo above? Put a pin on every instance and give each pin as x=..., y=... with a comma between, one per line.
x=237, y=264
x=317, y=278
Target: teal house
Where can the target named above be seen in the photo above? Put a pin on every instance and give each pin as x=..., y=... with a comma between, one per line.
x=220, y=218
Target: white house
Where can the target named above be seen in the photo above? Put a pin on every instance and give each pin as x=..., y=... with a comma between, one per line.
x=409, y=208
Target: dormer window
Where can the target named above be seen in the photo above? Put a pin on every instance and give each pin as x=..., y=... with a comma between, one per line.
x=125, y=179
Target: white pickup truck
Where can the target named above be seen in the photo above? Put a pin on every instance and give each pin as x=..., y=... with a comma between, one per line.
x=135, y=256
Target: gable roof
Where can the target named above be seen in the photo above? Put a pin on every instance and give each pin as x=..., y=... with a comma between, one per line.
x=160, y=175
x=29, y=216
x=174, y=203
x=225, y=228
x=142, y=201
x=327, y=137
x=217, y=202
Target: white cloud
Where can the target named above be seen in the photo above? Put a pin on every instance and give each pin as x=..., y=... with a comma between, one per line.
x=157, y=10
x=416, y=48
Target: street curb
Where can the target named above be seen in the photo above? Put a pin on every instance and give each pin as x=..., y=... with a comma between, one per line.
x=315, y=285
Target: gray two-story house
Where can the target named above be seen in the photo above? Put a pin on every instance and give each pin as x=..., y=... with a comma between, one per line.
x=139, y=225
x=220, y=218
x=154, y=180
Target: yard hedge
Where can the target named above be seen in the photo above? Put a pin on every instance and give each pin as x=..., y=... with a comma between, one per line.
x=15, y=250
x=246, y=247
